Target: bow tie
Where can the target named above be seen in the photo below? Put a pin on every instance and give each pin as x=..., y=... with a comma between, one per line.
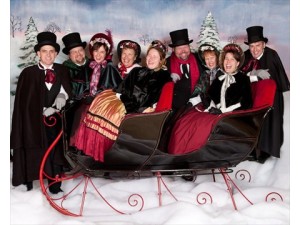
x=94, y=64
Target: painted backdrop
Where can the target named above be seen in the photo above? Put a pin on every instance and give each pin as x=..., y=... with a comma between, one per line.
x=145, y=20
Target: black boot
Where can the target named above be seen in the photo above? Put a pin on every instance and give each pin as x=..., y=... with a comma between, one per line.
x=252, y=156
x=29, y=185
x=55, y=187
x=262, y=158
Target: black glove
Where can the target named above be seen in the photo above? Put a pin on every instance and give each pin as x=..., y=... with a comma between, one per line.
x=88, y=100
x=215, y=111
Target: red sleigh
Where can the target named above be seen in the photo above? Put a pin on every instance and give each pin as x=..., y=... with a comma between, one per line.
x=136, y=153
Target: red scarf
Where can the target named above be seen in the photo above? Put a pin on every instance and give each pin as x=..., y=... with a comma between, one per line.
x=123, y=70
x=194, y=70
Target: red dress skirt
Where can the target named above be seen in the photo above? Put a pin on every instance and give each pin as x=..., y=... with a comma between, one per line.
x=99, y=127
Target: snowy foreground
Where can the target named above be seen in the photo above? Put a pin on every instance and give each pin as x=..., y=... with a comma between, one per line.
x=272, y=178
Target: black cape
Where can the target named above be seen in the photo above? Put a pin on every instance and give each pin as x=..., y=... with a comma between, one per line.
x=271, y=137
x=28, y=132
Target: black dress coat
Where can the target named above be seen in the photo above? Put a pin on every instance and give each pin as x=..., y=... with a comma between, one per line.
x=182, y=88
x=142, y=88
x=28, y=132
x=271, y=137
x=238, y=92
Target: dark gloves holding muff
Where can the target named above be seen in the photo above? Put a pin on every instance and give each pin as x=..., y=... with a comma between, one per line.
x=215, y=111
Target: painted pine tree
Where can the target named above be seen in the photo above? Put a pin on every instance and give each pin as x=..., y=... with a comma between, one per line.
x=29, y=57
x=209, y=32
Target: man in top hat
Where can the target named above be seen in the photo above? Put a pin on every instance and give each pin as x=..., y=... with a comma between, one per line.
x=260, y=59
x=78, y=63
x=185, y=68
x=42, y=90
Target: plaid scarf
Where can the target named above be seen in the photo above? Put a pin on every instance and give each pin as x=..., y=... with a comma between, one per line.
x=96, y=75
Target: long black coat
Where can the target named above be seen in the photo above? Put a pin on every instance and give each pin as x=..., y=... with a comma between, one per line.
x=28, y=133
x=271, y=137
x=182, y=88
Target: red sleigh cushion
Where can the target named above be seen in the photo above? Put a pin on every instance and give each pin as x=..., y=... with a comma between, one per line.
x=263, y=93
x=166, y=97
x=192, y=131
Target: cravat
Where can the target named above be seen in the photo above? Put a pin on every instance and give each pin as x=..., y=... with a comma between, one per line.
x=50, y=76
x=228, y=80
x=185, y=70
x=253, y=64
x=96, y=75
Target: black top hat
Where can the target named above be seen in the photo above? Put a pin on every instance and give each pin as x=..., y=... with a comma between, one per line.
x=46, y=38
x=255, y=34
x=179, y=37
x=72, y=40
x=129, y=44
